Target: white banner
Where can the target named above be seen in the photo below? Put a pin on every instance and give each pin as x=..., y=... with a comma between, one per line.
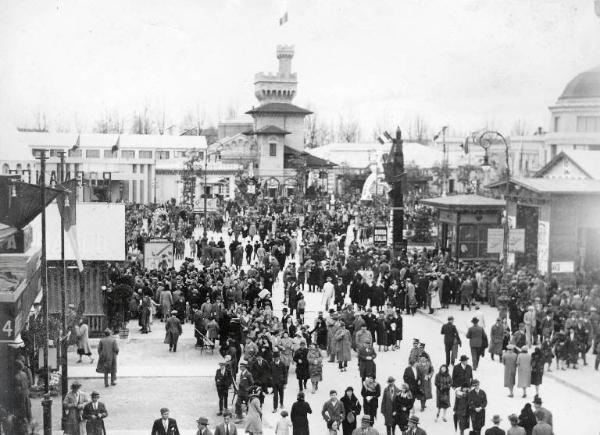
x=516, y=240
x=157, y=252
x=100, y=232
x=495, y=240
x=543, y=246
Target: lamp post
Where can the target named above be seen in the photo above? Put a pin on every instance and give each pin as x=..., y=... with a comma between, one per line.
x=485, y=141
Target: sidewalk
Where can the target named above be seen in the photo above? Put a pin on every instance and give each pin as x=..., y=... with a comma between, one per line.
x=584, y=380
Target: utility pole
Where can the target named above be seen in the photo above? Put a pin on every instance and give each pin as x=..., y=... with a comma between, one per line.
x=47, y=400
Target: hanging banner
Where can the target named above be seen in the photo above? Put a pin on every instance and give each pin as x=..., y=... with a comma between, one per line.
x=380, y=235
x=495, y=240
x=157, y=252
x=516, y=240
x=563, y=267
x=543, y=246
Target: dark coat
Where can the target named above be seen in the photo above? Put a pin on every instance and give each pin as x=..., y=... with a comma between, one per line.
x=461, y=376
x=246, y=381
x=108, y=349
x=366, y=362
x=411, y=380
x=299, y=417
x=387, y=404
x=279, y=373
x=223, y=380
x=477, y=400
x=450, y=334
x=158, y=428
x=370, y=406
x=301, y=360
x=261, y=373
x=475, y=335
x=95, y=426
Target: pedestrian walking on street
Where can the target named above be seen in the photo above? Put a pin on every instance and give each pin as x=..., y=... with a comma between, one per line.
x=509, y=359
x=315, y=366
x=223, y=380
x=343, y=342
x=515, y=429
x=302, y=369
x=451, y=341
x=279, y=378
x=203, y=429
x=541, y=428
x=73, y=404
x=537, y=369
x=94, y=414
x=461, y=409
x=352, y=409
x=173, y=331
x=243, y=393
x=108, y=349
x=443, y=384
x=299, y=416
x=477, y=404
x=477, y=341
x=83, y=341
x=370, y=392
x=496, y=339
x=387, y=405
x=165, y=425
x=495, y=430
x=366, y=427
x=403, y=403
x=462, y=373
x=524, y=370
x=253, y=424
x=227, y=427
x=413, y=427
x=537, y=404
x=283, y=425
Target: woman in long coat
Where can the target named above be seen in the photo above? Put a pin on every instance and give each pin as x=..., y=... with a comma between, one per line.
x=496, y=339
x=254, y=416
x=315, y=366
x=425, y=373
x=83, y=341
x=382, y=332
x=343, y=348
x=352, y=409
x=299, y=416
x=524, y=370
x=537, y=369
x=510, y=368
x=371, y=390
x=403, y=403
x=443, y=384
x=301, y=360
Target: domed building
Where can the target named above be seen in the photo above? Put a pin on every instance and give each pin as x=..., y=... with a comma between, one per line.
x=575, y=117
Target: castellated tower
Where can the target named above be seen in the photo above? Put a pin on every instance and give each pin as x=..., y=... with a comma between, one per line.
x=281, y=86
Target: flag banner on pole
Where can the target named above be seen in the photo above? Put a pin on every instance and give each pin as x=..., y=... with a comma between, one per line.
x=67, y=208
x=283, y=19
x=436, y=137
x=115, y=147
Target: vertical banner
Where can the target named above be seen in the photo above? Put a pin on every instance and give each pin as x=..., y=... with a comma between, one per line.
x=543, y=246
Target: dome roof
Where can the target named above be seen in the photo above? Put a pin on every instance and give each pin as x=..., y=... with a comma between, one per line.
x=584, y=85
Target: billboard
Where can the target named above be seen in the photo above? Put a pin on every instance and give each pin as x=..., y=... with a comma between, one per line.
x=156, y=251
x=100, y=232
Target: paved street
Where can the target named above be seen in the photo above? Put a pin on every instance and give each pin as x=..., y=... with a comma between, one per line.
x=150, y=377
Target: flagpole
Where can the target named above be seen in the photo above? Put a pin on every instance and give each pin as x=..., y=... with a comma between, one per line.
x=63, y=294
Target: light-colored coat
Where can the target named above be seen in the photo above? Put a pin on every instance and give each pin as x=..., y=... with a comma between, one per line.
x=343, y=346
x=510, y=368
x=83, y=338
x=524, y=370
x=254, y=416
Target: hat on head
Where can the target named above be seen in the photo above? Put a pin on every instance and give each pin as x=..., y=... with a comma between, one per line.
x=366, y=419
x=202, y=420
x=95, y=394
x=391, y=379
x=75, y=384
x=475, y=382
x=496, y=419
x=415, y=340
x=474, y=320
x=464, y=358
x=537, y=400
x=422, y=345
x=450, y=318
x=413, y=419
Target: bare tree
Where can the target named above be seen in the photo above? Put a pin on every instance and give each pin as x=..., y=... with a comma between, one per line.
x=317, y=132
x=348, y=129
x=419, y=130
x=142, y=122
x=109, y=122
x=519, y=128
x=193, y=121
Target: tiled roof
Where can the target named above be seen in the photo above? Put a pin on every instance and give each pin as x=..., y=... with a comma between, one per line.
x=269, y=129
x=279, y=108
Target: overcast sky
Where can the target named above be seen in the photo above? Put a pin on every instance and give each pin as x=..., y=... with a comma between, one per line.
x=465, y=63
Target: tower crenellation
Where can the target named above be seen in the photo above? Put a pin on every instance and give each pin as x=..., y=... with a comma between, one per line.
x=281, y=86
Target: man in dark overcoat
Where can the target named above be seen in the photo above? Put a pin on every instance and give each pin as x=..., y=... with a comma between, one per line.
x=108, y=349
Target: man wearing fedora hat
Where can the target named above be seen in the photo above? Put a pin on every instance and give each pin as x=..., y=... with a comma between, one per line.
x=495, y=430
x=387, y=405
x=366, y=427
x=94, y=413
x=477, y=341
x=203, y=426
x=413, y=427
x=462, y=373
x=477, y=400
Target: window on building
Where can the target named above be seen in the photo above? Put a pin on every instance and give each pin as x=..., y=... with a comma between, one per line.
x=273, y=149
x=54, y=153
x=556, y=123
x=109, y=154
x=75, y=153
x=200, y=155
x=5, y=169
x=179, y=154
x=588, y=124
x=128, y=154
x=552, y=151
x=145, y=154
x=92, y=154
x=163, y=155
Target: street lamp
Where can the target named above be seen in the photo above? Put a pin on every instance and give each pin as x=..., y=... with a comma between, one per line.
x=485, y=141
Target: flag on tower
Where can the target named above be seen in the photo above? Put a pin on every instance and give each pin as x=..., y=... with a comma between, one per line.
x=283, y=19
